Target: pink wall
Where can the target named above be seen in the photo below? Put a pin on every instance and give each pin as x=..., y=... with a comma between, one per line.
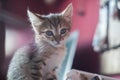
x=85, y=24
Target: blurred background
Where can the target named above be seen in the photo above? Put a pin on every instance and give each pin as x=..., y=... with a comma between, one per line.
x=17, y=31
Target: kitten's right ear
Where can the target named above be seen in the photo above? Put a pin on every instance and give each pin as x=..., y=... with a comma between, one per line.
x=34, y=19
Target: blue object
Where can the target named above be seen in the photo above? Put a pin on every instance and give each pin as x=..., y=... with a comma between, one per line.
x=71, y=45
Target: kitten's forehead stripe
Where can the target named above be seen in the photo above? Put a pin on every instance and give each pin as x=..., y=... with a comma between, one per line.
x=50, y=23
x=60, y=25
x=54, y=20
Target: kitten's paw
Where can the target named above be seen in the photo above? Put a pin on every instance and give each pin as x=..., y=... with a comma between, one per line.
x=74, y=75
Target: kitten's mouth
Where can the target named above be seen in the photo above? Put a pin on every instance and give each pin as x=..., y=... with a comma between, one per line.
x=57, y=44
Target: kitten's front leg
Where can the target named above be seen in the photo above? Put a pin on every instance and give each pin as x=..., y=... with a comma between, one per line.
x=36, y=66
x=52, y=75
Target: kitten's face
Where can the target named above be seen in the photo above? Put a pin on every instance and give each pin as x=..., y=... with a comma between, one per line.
x=52, y=28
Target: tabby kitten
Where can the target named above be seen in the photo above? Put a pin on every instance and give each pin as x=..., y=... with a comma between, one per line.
x=41, y=60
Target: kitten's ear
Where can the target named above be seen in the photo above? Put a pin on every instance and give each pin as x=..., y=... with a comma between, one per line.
x=34, y=19
x=68, y=12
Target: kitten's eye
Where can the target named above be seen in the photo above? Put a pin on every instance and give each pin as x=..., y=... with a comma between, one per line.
x=49, y=33
x=63, y=31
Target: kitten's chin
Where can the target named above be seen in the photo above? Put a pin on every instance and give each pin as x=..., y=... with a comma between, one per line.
x=58, y=44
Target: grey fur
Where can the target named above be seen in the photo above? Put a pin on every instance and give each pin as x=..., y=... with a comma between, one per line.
x=41, y=60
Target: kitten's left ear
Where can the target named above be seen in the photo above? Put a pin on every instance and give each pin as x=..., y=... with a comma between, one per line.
x=68, y=12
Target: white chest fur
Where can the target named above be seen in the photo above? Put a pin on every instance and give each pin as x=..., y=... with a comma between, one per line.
x=54, y=61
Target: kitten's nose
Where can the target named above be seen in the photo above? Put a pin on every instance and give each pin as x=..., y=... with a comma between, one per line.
x=58, y=42
x=57, y=39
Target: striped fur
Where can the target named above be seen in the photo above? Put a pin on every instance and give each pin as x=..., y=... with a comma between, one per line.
x=42, y=59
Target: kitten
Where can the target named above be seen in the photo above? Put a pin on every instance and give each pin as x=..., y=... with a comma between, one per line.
x=41, y=60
